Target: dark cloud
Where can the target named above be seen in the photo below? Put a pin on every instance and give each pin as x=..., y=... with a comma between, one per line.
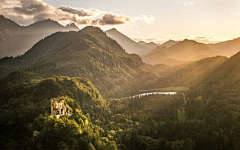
x=80, y=11
x=2, y=2
x=28, y=11
x=38, y=10
x=32, y=7
x=110, y=19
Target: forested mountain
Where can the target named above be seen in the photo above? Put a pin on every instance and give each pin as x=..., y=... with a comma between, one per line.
x=150, y=45
x=25, y=109
x=88, y=53
x=196, y=119
x=24, y=37
x=95, y=88
x=158, y=56
x=227, y=48
x=224, y=80
x=182, y=77
x=149, y=122
x=194, y=73
x=128, y=44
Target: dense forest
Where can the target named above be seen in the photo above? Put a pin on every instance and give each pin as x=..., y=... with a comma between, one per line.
x=204, y=114
x=25, y=107
x=183, y=121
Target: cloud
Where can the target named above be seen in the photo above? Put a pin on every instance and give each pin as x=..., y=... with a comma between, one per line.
x=29, y=11
x=148, y=40
x=80, y=11
x=146, y=19
x=211, y=38
x=114, y=19
x=32, y=7
x=110, y=19
x=156, y=40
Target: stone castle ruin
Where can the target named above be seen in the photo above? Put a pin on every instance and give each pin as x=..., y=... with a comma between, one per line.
x=58, y=108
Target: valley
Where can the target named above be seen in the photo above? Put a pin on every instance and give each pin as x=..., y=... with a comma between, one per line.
x=64, y=87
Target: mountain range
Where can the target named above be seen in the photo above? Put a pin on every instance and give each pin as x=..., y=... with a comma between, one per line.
x=128, y=44
x=158, y=56
x=180, y=53
x=24, y=37
x=227, y=48
x=65, y=88
x=189, y=50
x=88, y=53
x=169, y=44
x=150, y=45
x=170, y=53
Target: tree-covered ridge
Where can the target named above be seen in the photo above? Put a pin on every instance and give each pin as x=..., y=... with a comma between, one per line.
x=223, y=82
x=23, y=100
x=181, y=122
x=18, y=83
x=74, y=132
x=88, y=53
x=194, y=73
x=188, y=75
x=204, y=117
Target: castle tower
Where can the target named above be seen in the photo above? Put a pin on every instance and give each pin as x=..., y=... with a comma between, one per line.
x=58, y=108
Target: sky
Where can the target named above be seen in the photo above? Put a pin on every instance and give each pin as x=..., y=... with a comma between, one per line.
x=206, y=21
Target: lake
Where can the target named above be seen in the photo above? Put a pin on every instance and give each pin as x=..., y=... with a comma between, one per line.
x=153, y=93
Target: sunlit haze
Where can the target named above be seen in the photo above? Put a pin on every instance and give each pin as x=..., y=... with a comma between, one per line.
x=119, y=74
x=147, y=20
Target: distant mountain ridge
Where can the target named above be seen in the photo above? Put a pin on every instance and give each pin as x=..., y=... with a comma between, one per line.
x=169, y=43
x=24, y=37
x=227, y=48
x=180, y=53
x=158, y=56
x=128, y=44
x=189, y=50
x=150, y=45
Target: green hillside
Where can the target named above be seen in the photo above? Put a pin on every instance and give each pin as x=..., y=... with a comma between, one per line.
x=194, y=73
x=25, y=107
x=224, y=80
x=88, y=53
